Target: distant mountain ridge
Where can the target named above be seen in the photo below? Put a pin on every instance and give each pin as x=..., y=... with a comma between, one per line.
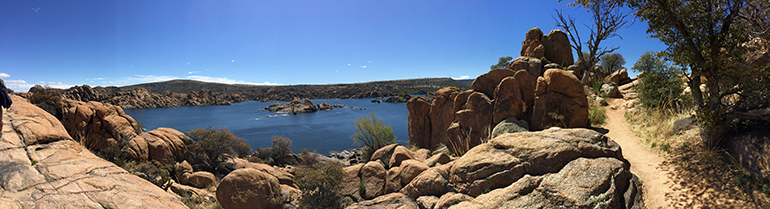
x=196, y=93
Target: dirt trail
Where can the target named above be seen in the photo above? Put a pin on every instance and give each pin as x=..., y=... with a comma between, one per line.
x=644, y=163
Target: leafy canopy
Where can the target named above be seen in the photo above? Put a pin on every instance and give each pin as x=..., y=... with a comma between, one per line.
x=372, y=133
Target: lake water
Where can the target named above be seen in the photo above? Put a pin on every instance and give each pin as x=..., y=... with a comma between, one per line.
x=322, y=131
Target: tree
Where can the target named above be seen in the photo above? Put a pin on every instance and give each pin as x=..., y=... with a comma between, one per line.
x=502, y=63
x=282, y=151
x=611, y=62
x=660, y=84
x=607, y=20
x=372, y=133
x=217, y=142
x=711, y=39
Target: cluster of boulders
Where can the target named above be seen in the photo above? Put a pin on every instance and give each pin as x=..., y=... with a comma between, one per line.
x=43, y=167
x=139, y=97
x=297, y=106
x=542, y=94
x=98, y=126
x=545, y=169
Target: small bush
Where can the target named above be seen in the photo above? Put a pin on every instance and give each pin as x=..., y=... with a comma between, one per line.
x=308, y=158
x=215, y=143
x=597, y=115
x=320, y=185
x=152, y=171
x=371, y=133
x=282, y=151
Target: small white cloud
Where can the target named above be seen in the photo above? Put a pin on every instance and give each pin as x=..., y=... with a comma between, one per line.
x=4, y=75
x=336, y=71
x=348, y=64
x=193, y=72
x=188, y=63
x=36, y=9
x=364, y=66
x=370, y=61
x=232, y=60
x=98, y=79
x=462, y=77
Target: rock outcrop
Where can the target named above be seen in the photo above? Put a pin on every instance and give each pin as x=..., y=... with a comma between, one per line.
x=294, y=107
x=545, y=169
x=43, y=167
x=98, y=126
x=542, y=96
x=141, y=98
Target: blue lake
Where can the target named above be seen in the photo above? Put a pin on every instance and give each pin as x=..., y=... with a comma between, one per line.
x=322, y=131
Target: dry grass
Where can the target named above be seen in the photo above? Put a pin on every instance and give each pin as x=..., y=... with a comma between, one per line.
x=655, y=127
x=465, y=142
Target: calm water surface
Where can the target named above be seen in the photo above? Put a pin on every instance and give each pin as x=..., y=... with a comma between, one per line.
x=322, y=131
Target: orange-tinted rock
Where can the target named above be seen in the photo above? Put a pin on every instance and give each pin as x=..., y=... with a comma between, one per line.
x=563, y=105
x=167, y=145
x=201, y=179
x=487, y=82
x=373, y=176
x=410, y=169
x=508, y=101
x=400, y=154
x=419, y=122
x=350, y=182
x=441, y=114
x=557, y=48
x=249, y=188
x=527, y=85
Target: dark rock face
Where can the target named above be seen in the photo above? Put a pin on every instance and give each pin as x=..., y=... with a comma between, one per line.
x=750, y=149
x=141, y=98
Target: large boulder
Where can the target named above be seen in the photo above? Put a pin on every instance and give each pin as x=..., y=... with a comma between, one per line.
x=574, y=167
x=43, y=167
x=532, y=65
x=201, y=179
x=508, y=101
x=557, y=48
x=400, y=154
x=410, y=169
x=611, y=90
x=351, y=181
x=167, y=145
x=531, y=46
x=373, y=176
x=97, y=125
x=419, y=122
x=510, y=125
x=476, y=122
x=249, y=188
x=560, y=102
x=441, y=114
x=619, y=77
x=487, y=83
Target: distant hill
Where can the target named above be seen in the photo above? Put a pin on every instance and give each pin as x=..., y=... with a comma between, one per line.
x=195, y=93
x=186, y=86
x=466, y=81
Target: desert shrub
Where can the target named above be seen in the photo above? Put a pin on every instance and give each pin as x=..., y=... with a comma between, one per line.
x=655, y=125
x=47, y=99
x=596, y=114
x=195, y=202
x=371, y=133
x=308, y=158
x=217, y=142
x=320, y=185
x=151, y=171
x=459, y=146
x=660, y=85
x=282, y=151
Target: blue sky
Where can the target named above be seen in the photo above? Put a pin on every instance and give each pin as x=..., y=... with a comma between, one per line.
x=268, y=42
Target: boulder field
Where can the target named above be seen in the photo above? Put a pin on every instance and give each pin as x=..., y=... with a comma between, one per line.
x=43, y=167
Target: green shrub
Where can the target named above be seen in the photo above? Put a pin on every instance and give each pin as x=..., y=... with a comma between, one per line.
x=660, y=85
x=217, y=142
x=320, y=185
x=597, y=115
x=308, y=158
x=151, y=171
x=371, y=133
x=282, y=151
x=361, y=189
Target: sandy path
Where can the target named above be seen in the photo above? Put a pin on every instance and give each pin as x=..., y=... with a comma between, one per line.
x=644, y=163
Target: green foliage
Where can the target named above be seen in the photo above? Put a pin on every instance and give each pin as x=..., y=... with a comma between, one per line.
x=371, y=133
x=611, y=62
x=320, y=185
x=151, y=171
x=544, y=61
x=33, y=162
x=282, y=151
x=597, y=115
x=217, y=142
x=361, y=189
x=659, y=86
x=139, y=127
x=308, y=158
x=501, y=63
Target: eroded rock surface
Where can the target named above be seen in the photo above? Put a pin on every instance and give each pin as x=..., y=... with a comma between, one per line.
x=42, y=167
